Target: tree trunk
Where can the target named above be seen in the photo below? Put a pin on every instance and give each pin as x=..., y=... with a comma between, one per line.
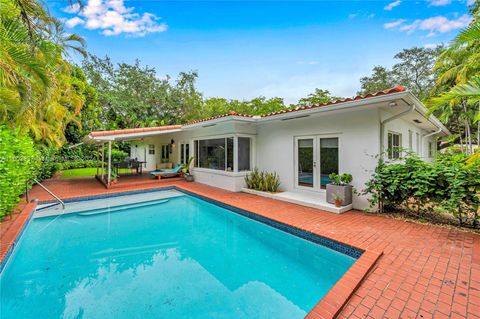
x=468, y=135
x=461, y=143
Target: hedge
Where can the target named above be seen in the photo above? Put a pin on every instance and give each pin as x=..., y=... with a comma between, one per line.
x=18, y=163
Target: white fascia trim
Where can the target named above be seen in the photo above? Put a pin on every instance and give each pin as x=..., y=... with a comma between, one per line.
x=120, y=137
x=229, y=118
x=333, y=107
x=422, y=110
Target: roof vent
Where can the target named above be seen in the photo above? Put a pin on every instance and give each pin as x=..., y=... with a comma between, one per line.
x=417, y=121
x=294, y=118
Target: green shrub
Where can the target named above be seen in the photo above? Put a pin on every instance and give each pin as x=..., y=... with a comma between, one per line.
x=117, y=155
x=450, y=184
x=263, y=181
x=79, y=164
x=342, y=179
x=18, y=163
x=49, y=163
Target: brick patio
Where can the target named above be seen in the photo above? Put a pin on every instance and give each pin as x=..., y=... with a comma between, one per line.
x=424, y=272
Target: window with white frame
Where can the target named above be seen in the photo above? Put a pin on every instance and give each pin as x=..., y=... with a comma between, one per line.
x=184, y=153
x=244, y=155
x=394, y=145
x=218, y=153
x=418, y=142
x=410, y=140
x=165, y=152
x=151, y=149
x=431, y=149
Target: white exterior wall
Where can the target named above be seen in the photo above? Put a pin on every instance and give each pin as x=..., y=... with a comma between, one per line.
x=358, y=133
x=273, y=147
x=403, y=127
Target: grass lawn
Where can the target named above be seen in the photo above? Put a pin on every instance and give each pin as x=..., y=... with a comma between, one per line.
x=84, y=172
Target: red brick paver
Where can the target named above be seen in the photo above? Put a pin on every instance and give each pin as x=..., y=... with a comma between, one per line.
x=425, y=271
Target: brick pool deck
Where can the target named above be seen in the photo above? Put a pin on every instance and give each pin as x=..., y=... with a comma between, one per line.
x=425, y=271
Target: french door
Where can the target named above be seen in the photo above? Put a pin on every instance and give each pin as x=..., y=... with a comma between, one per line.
x=316, y=157
x=184, y=153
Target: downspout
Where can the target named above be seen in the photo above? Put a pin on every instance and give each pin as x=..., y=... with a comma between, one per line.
x=411, y=108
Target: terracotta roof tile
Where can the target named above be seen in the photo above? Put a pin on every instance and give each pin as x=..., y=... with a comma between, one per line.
x=396, y=89
x=231, y=113
x=135, y=130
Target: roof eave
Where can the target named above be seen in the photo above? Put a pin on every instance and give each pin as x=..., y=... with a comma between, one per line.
x=334, y=107
x=420, y=107
x=219, y=120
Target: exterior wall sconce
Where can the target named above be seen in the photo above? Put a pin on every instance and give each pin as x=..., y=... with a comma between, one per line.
x=172, y=144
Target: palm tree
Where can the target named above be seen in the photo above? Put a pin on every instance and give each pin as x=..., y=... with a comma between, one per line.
x=37, y=89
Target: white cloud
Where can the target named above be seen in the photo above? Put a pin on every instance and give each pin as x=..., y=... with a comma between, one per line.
x=74, y=8
x=431, y=45
x=470, y=2
x=113, y=18
x=352, y=15
x=439, y=3
x=434, y=25
x=393, y=24
x=73, y=22
x=394, y=4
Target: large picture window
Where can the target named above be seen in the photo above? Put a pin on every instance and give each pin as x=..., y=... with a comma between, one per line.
x=243, y=154
x=218, y=153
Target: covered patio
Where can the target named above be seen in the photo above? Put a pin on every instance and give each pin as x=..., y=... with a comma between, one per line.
x=108, y=173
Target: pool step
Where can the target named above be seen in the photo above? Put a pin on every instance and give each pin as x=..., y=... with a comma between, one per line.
x=113, y=209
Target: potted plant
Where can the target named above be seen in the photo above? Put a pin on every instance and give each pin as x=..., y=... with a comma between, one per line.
x=340, y=185
x=338, y=199
x=186, y=170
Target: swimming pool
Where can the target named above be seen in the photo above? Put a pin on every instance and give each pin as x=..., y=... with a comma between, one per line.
x=163, y=255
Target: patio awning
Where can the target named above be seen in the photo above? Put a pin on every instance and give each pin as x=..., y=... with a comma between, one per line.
x=129, y=134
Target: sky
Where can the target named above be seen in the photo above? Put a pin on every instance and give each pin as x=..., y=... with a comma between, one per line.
x=244, y=49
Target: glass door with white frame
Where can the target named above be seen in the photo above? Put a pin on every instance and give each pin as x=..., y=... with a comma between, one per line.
x=328, y=148
x=305, y=162
x=316, y=157
x=184, y=153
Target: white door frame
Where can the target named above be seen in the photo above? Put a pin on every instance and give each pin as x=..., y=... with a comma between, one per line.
x=316, y=160
x=151, y=159
x=295, y=166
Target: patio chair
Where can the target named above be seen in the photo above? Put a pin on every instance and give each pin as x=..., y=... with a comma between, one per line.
x=168, y=172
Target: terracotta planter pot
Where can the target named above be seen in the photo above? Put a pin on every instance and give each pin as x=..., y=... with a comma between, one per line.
x=338, y=203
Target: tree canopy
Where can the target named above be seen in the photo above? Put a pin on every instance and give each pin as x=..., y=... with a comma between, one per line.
x=414, y=70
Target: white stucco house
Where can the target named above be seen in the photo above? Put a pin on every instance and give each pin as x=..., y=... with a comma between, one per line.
x=303, y=145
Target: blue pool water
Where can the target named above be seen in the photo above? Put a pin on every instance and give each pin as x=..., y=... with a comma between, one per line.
x=179, y=258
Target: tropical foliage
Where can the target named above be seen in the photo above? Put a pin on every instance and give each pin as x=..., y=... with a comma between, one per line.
x=38, y=91
x=450, y=186
x=18, y=164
